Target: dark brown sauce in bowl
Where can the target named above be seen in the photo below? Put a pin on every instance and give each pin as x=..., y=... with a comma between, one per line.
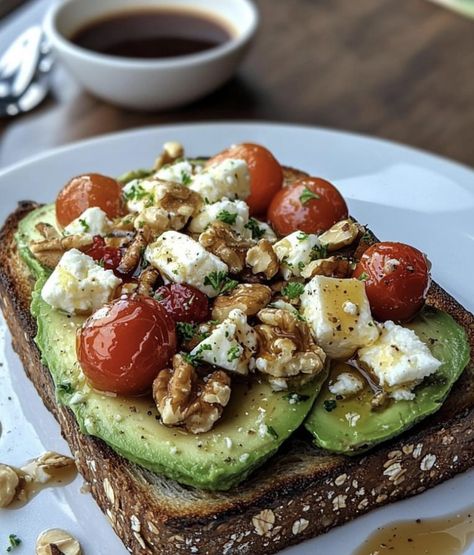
x=153, y=33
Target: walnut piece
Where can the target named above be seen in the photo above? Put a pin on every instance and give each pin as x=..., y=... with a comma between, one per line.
x=147, y=281
x=248, y=297
x=334, y=266
x=185, y=399
x=55, y=540
x=262, y=259
x=50, y=251
x=133, y=254
x=47, y=230
x=221, y=240
x=340, y=235
x=287, y=353
x=172, y=150
x=9, y=481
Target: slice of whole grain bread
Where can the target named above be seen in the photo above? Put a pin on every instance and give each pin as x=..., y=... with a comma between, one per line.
x=299, y=493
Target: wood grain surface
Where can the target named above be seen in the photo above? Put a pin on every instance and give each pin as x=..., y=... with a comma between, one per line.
x=402, y=70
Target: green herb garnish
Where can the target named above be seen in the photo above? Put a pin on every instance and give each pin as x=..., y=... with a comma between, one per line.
x=293, y=289
x=65, y=387
x=319, y=251
x=220, y=282
x=257, y=231
x=84, y=224
x=308, y=195
x=302, y=236
x=329, y=404
x=14, y=542
x=185, y=178
x=186, y=331
x=271, y=430
x=233, y=353
x=363, y=276
x=227, y=217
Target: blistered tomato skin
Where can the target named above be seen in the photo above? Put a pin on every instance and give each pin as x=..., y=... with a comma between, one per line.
x=310, y=204
x=266, y=174
x=396, y=279
x=86, y=191
x=183, y=303
x=122, y=347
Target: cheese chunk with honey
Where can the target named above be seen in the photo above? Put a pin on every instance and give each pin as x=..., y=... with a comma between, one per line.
x=338, y=313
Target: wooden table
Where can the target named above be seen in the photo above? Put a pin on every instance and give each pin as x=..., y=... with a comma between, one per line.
x=398, y=69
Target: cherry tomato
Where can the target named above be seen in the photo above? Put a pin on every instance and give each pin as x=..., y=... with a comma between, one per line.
x=122, y=347
x=266, y=175
x=183, y=302
x=396, y=278
x=109, y=256
x=310, y=204
x=86, y=191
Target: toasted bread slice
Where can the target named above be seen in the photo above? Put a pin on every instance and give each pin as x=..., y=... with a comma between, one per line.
x=299, y=493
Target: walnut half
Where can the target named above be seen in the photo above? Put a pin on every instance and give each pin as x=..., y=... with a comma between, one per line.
x=248, y=297
x=262, y=259
x=185, y=399
x=334, y=266
x=220, y=239
x=287, y=353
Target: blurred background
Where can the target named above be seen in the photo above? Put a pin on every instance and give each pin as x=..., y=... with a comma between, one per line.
x=401, y=70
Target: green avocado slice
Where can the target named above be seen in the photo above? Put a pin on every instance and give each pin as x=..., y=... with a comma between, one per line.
x=350, y=426
x=254, y=425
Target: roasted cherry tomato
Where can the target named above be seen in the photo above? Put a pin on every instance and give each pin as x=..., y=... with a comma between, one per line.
x=122, y=347
x=110, y=257
x=310, y=204
x=86, y=191
x=396, y=279
x=183, y=302
x=266, y=175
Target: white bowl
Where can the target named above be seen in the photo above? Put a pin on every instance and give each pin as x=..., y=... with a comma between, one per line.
x=145, y=84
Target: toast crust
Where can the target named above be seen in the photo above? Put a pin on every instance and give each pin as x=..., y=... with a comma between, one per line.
x=300, y=493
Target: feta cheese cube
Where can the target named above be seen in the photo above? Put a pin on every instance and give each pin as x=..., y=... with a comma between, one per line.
x=179, y=172
x=231, y=345
x=256, y=230
x=93, y=221
x=339, y=331
x=233, y=212
x=399, y=360
x=78, y=285
x=346, y=384
x=139, y=194
x=295, y=251
x=181, y=259
x=229, y=179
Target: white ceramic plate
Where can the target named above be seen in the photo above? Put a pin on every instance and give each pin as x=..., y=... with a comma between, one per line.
x=404, y=195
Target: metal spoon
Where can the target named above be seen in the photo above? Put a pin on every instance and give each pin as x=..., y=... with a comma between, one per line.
x=24, y=73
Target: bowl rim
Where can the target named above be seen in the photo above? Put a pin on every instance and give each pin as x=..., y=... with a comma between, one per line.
x=61, y=42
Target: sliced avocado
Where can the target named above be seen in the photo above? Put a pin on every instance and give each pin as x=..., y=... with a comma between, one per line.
x=350, y=426
x=255, y=423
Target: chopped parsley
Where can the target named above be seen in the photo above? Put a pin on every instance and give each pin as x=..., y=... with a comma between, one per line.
x=319, y=251
x=65, y=387
x=257, y=231
x=186, y=331
x=308, y=195
x=185, y=178
x=302, y=236
x=271, y=431
x=220, y=282
x=293, y=289
x=84, y=224
x=294, y=398
x=195, y=359
x=227, y=217
x=330, y=404
x=363, y=276
x=135, y=192
x=233, y=353
x=14, y=542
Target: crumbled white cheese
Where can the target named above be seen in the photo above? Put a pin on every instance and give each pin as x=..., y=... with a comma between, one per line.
x=399, y=360
x=93, y=221
x=229, y=178
x=178, y=172
x=180, y=259
x=295, y=251
x=78, y=285
x=139, y=194
x=233, y=212
x=231, y=345
x=338, y=332
x=349, y=308
x=346, y=384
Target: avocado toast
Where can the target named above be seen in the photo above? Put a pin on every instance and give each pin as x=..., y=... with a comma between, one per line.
x=270, y=509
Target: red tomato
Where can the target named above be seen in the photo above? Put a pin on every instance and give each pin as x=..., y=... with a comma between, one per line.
x=86, y=191
x=310, y=204
x=266, y=175
x=109, y=256
x=396, y=278
x=183, y=302
x=122, y=347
